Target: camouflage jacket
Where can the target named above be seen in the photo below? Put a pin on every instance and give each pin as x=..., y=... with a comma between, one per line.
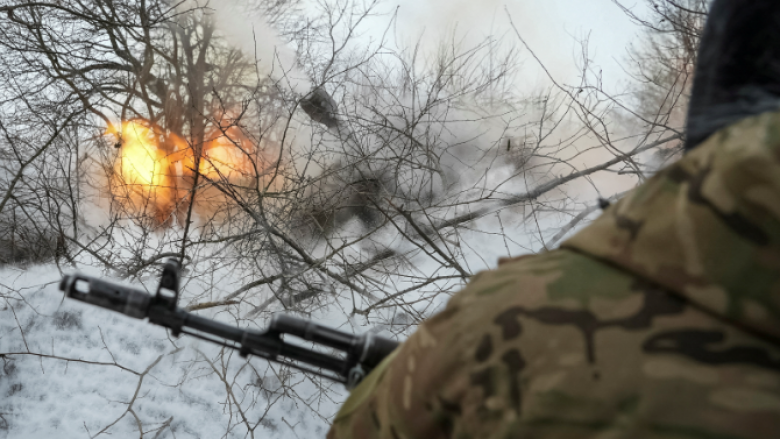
x=659, y=320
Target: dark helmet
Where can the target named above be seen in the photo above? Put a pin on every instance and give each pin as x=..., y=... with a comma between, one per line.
x=738, y=66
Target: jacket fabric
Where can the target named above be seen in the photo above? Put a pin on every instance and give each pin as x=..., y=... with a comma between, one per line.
x=661, y=319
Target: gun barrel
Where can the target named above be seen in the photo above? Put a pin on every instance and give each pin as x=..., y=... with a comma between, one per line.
x=125, y=300
x=363, y=352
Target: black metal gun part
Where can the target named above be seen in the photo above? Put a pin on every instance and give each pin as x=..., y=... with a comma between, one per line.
x=360, y=353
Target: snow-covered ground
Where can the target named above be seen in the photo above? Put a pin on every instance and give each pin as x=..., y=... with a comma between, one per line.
x=82, y=370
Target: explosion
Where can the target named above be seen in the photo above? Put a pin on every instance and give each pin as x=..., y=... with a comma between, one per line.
x=155, y=169
x=141, y=161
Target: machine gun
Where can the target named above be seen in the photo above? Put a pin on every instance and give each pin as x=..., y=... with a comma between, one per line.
x=360, y=353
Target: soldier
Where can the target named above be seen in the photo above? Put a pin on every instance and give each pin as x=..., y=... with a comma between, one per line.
x=659, y=320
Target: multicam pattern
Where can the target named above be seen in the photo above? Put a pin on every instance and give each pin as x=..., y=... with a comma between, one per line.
x=660, y=320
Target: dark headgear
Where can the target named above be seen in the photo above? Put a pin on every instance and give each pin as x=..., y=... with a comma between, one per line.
x=738, y=66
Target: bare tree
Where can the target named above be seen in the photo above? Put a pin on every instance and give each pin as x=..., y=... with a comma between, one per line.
x=663, y=64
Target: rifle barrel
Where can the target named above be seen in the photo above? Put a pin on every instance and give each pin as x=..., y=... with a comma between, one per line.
x=363, y=352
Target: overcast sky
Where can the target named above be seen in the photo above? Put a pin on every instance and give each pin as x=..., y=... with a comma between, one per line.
x=551, y=27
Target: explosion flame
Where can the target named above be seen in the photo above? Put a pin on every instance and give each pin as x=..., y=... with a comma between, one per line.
x=155, y=169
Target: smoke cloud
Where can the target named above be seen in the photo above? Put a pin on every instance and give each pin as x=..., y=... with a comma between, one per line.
x=246, y=28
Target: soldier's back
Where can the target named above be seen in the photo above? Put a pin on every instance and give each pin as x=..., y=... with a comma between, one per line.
x=660, y=320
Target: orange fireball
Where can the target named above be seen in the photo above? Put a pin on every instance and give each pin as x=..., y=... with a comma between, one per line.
x=155, y=168
x=226, y=156
x=141, y=162
x=146, y=178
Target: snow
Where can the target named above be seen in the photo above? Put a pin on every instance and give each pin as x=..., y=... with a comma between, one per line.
x=90, y=364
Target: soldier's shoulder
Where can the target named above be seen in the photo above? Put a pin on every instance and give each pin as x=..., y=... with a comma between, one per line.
x=560, y=278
